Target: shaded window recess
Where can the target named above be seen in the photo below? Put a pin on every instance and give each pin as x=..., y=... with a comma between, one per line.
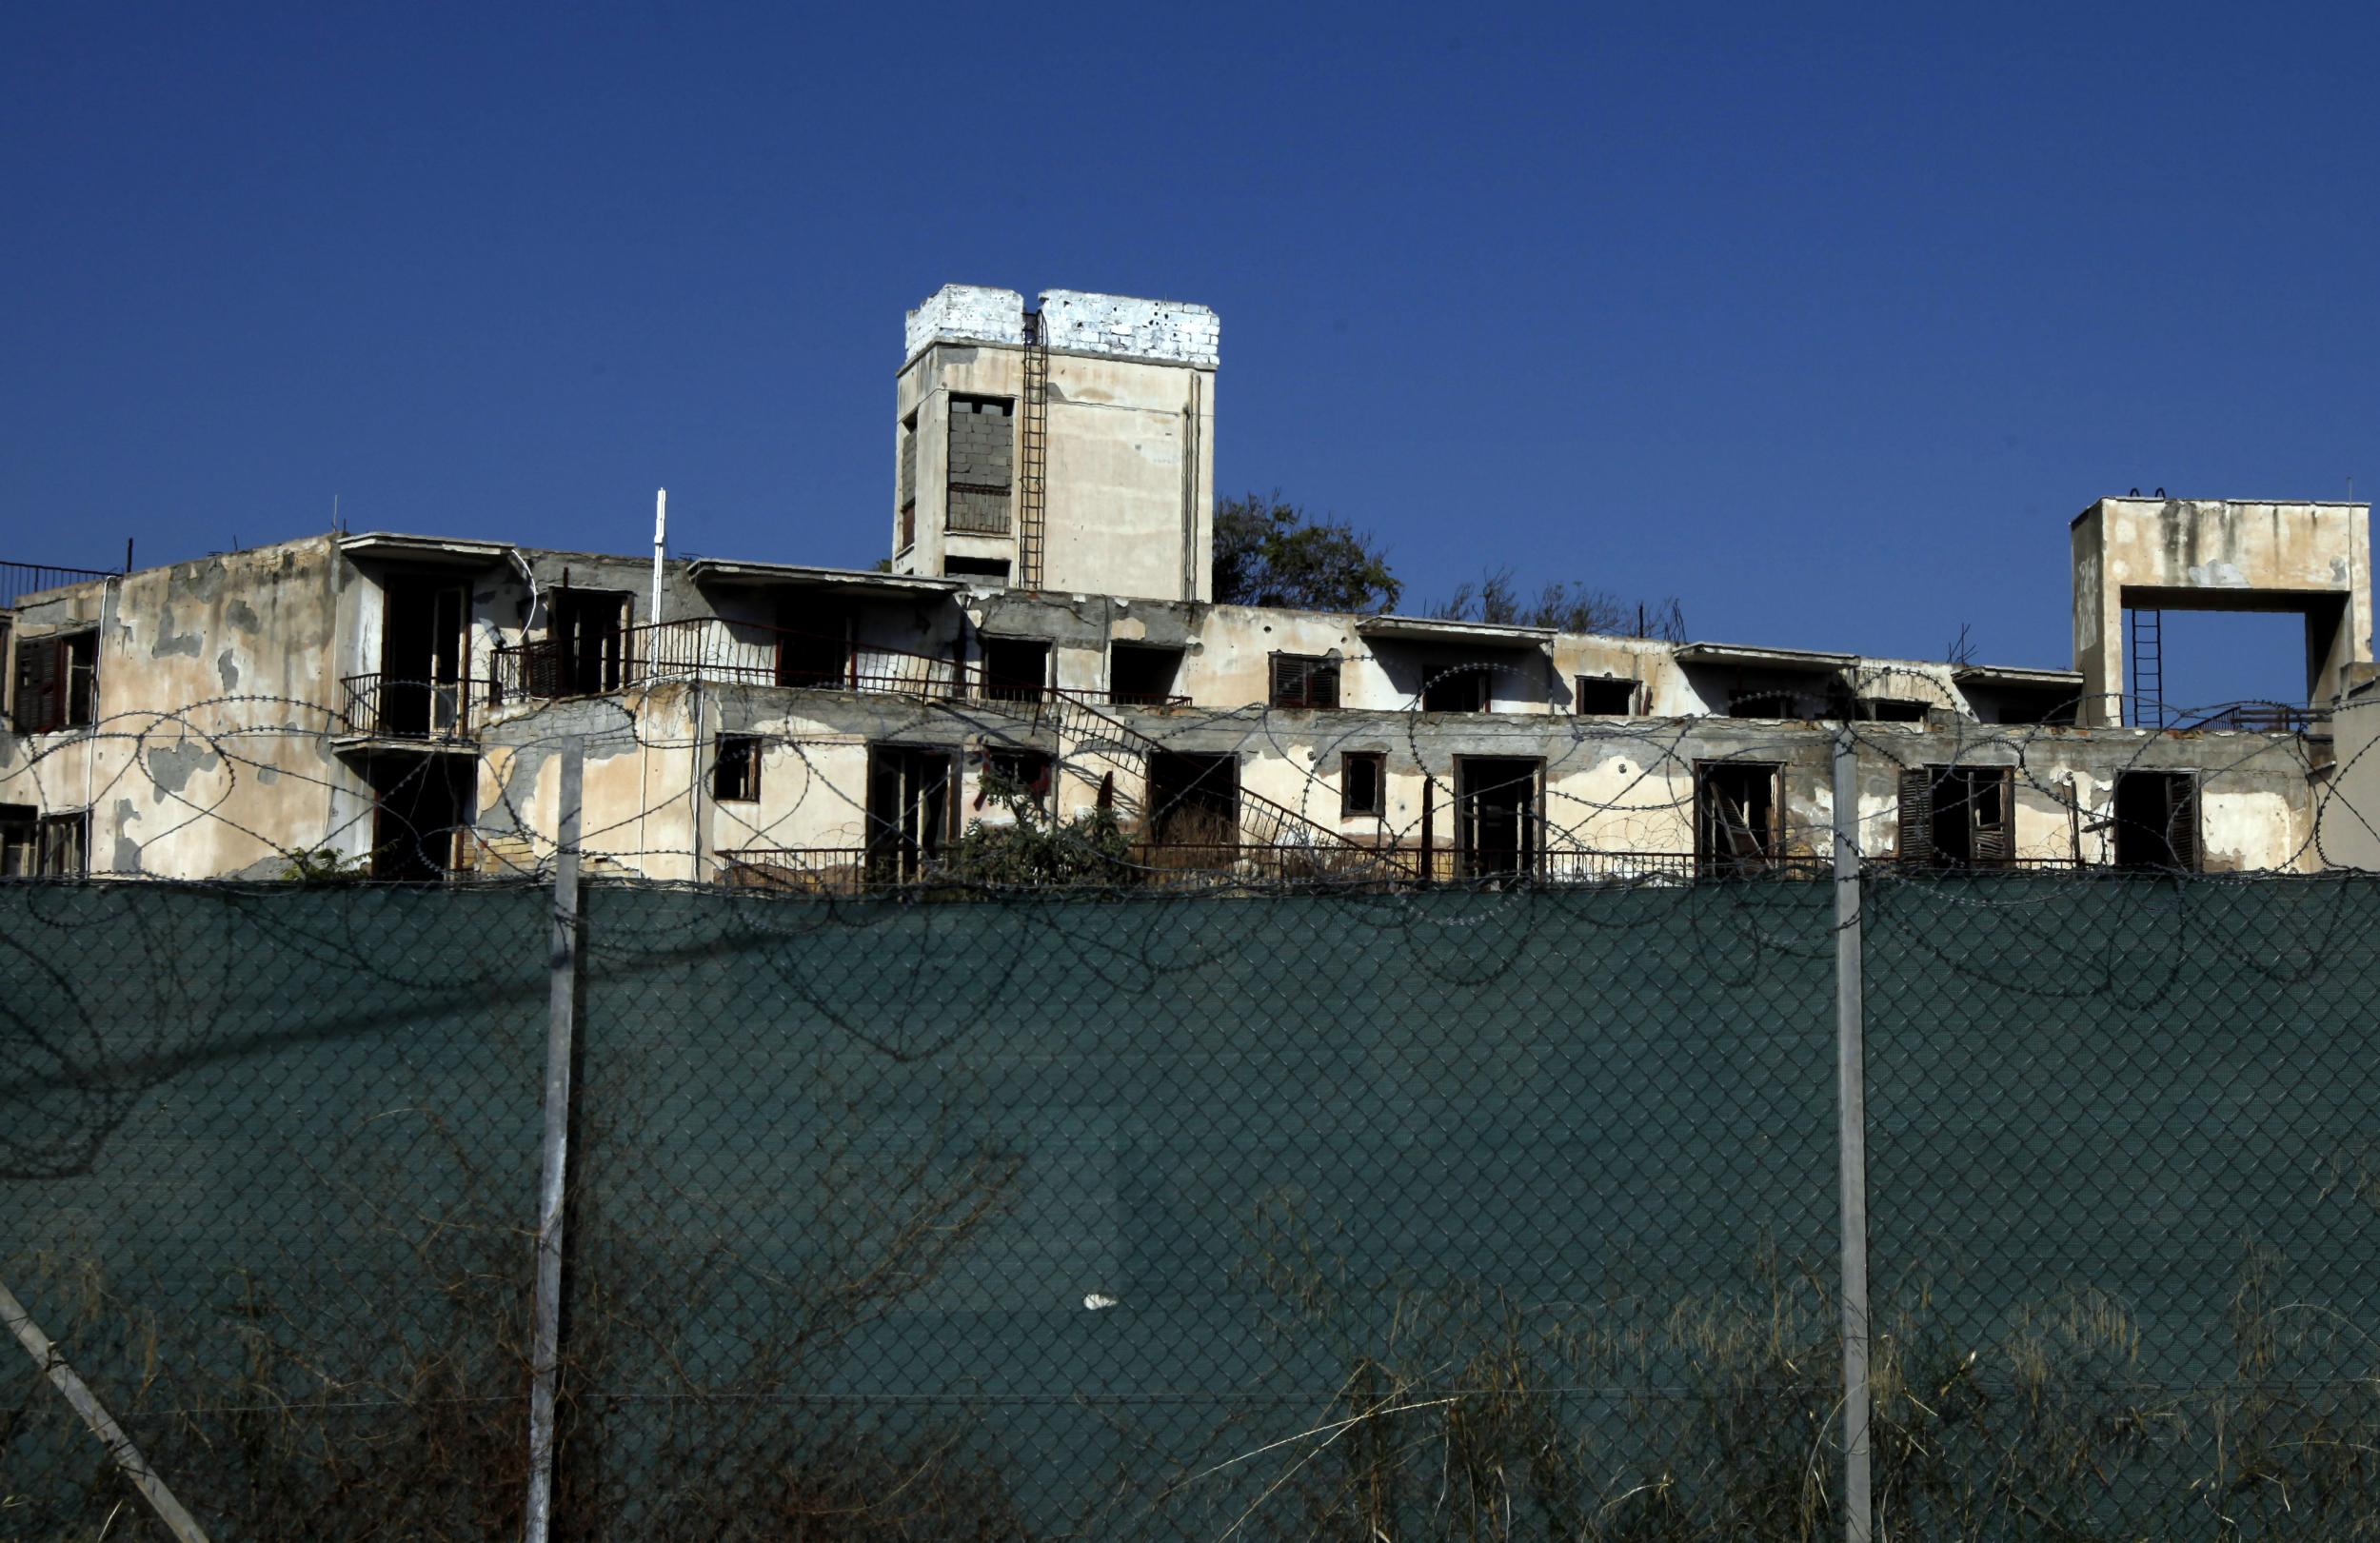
x=977, y=567
x=34, y=846
x=1958, y=815
x=1738, y=807
x=1142, y=673
x=1016, y=669
x=1362, y=783
x=57, y=681
x=2156, y=821
x=1027, y=773
x=1305, y=681
x=736, y=769
x=1604, y=696
x=907, y=475
x=2032, y=707
x=584, y=650
x=910, y=809
x=1496, y=816
x=1779, y=702
x=980, y=473
x=424, y=656
x=1461, y=689
x=813, y=644
x=421, y=807
x=1193, y=800
x=1892, y=709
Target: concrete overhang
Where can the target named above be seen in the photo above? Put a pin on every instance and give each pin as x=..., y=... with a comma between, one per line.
x=1477, y=634
x=1737, y=656
x=2069, y=680
x=849, y=580
x=392, y=546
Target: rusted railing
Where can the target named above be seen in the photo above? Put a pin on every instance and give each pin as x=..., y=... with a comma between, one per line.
x=712, y=648
x=389, y=708
x=2256, y=717
x=18, y=579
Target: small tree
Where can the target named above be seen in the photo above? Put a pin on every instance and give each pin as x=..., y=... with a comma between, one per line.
x=1564, y=607
x=1268, y=553
x=1037, y=848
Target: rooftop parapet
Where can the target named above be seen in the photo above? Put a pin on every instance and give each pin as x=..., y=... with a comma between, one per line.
x=1119, y=326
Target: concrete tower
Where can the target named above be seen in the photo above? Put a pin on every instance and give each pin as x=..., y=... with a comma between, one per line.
x=1070, y=448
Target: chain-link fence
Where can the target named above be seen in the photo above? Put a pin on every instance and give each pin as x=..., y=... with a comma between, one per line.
x=1454, y=1214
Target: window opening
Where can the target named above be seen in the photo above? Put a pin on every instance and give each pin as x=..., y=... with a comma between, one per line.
x=1496, y=816
x=1140, y=675
x=1604, y=696
x=421, y=812
x=906, y=476
x=1016, y=669
x=909, y=810
x=57, y=681
x=1304, y=681
x=1362, y=783
x=584, y=650
x=1958, y=815
x=425, y=643
x=736, y=770
x=1461, y=689
x=1193, y=800
x=34, y=846
x=980, y=472
x=977, y=567
x=1735, y=815
x=1025, y=773
x=813, y=644
x=2156, y=821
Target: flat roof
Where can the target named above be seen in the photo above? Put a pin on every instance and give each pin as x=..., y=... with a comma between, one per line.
x=2012, y=675
x=1808, y=660
x=731, y=571
x=446, y=549
x=1430, y=630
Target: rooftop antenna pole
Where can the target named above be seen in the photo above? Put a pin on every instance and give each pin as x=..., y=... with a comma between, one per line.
x=661, y=544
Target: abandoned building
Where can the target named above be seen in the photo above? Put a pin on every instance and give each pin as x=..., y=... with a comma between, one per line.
x=1044, y=637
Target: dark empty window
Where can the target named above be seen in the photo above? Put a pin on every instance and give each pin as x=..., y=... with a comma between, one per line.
x=906, y=476
x=1602, y=696
x=1735, y=815
x=1363, y=782
x=2156, y=821
x=1461, y=689
x=736, y=774
x=57, y=681
x=1958, y=815
x=813, y=644
x=910, y=811
x=1496, y=816
x=1026, y=774
x=584, y=650
x=1892, y=710
x=977, y=567
x=1304, y=681
x=1193, y=800
x=1142, y=675
x=1016, y=669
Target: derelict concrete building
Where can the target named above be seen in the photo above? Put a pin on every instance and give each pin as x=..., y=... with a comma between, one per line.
x=1044, y=645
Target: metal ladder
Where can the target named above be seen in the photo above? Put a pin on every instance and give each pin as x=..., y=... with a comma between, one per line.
x=2148, y=668
x=1032, y=455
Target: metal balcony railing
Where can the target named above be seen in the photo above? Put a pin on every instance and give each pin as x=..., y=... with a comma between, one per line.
x=387, y=707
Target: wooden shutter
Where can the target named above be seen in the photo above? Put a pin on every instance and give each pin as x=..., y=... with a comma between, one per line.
x=39, y=690
x=1997, y=843
x=1917, y=815
x=1322, y=682
x=1287, y=673
x=2181, y=819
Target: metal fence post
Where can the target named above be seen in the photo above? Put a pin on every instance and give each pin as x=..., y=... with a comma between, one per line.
x=1851, y=1092
x=561, y=1022
x=86, y=1403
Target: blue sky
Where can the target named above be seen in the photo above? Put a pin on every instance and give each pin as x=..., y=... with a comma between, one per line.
x=1826, y=324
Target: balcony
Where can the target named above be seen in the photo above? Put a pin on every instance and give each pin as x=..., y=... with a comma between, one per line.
x=434, y=714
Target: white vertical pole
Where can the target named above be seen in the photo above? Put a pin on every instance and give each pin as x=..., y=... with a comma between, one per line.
x=561, y=1029
x=661, y=546
x=1851, y=1088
